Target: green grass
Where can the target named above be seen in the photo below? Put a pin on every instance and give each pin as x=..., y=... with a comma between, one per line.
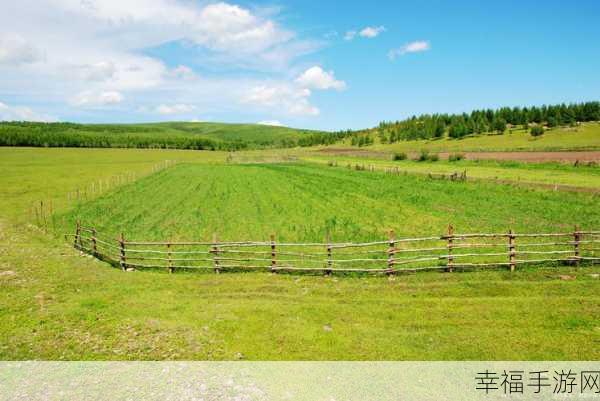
x=584, y=137
x=55, y=304
x=33, y=174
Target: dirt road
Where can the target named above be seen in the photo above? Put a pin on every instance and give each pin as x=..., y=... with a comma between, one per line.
x=533, y=157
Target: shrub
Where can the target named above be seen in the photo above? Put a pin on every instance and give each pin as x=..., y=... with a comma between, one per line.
x=456, y=157
x=423, y=157
x=399, y=156
x=537, y=130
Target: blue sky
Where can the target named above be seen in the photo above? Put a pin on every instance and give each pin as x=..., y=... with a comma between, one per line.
x=297, y=63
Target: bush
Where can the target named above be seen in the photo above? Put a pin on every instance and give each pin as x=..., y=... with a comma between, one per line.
x=399, y=156
x=425, y=156
x=456, y=157
x=537, y=130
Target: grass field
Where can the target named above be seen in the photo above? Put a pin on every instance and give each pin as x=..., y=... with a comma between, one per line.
x=584, y=137
x=56, y=304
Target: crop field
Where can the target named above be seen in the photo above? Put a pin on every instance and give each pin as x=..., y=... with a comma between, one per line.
x=58, y=304
x=303, y=202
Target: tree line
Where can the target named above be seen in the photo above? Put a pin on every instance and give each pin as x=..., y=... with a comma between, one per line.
x=432, y=126
x=37, y=134
x=426, y=126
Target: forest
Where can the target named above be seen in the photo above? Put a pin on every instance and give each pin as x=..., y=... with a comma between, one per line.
x=232, y=137
x=191, y=136
x=433, y=126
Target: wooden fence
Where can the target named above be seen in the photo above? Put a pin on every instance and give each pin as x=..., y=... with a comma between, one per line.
x=446, y=252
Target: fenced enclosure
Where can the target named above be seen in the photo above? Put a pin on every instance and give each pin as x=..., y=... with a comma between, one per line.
x=447, y=252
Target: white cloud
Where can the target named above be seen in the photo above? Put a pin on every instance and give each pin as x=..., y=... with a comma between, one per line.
x=228, y=27
x=179, y=108
x=100, y=71
x=316, y=78
x=274, y=123
x=350, y=35
x=412, y=47
x=182, y=72
x=109, y=61
x=19, y=113
x=14, y=49
x=292, y=99
x=95, y=99
x=371, y=31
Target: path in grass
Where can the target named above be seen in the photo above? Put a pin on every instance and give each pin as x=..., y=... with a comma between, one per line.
x=305, y=202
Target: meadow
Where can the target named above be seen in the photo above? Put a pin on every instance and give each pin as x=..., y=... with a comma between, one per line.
x=58, y=304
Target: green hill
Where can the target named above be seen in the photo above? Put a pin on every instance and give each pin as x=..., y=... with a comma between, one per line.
x=172, y=135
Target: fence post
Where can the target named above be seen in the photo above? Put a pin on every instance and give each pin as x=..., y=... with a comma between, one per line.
x=576, y=239
x=170, y=261
x=51, y=215
x=215, y=252
x=511, y=250
x=273, y=255
x=329, y=256
x=122, y=259
x=44, y=221
x=77, y=234
x=391, y=253
x=450, y=238
x=94, y=245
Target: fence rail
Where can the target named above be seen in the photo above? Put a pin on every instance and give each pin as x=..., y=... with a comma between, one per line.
x=447, y=252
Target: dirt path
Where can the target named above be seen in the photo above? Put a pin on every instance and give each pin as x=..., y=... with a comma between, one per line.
x=533, y=157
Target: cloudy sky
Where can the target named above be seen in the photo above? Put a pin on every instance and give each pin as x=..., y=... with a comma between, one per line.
x=314, y=64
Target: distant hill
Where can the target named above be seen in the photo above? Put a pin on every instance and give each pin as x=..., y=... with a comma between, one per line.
x=173, y=135
x=486, y=129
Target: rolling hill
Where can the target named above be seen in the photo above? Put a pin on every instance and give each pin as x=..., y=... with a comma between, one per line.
x=172, y=135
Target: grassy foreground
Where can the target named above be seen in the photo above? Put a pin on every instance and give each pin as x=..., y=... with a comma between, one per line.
x=55, y=304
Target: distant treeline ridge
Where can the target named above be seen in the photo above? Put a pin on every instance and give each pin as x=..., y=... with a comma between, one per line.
x=432, y=126
x=188, y=136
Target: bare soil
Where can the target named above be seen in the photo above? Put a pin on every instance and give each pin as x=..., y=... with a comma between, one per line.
x=532, y=157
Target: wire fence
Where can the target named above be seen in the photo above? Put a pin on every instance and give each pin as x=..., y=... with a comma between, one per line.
x=447, y=252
